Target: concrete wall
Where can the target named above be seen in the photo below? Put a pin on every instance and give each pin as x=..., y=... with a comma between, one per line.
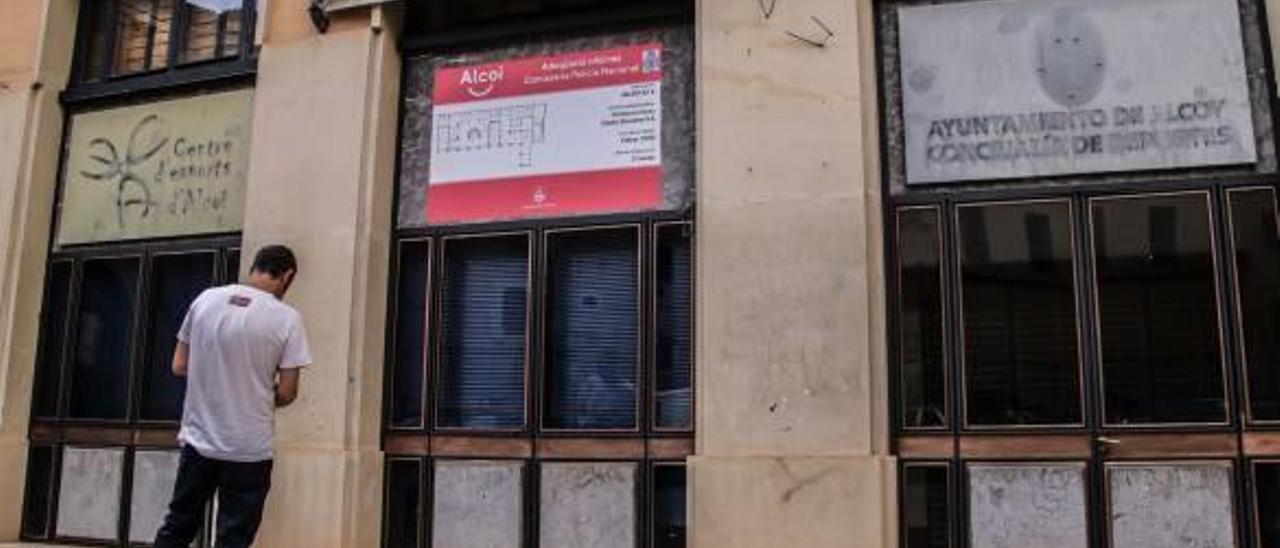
x=35, y=55
x=321, y=181
x=791, y=429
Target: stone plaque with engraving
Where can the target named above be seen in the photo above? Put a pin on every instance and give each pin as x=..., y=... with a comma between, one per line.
x=1005, y=89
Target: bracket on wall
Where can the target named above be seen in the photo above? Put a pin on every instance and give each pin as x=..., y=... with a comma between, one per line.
x=319, y=16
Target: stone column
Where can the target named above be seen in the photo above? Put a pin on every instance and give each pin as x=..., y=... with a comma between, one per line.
x=792, y=429
x=321, y=180
x=36, y=40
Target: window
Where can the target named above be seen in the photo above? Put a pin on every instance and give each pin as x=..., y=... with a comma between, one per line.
x=673, y=328
x=484, y=315
x=1256, y=244
x=437, y=16
x=920, y=335
x=53, y=332
x=1084, y=322
x=593, y=324
x=588, y=285
x=176, y=280
x=403, y=504
x=130, y=37
x=540, y=353
x=540, y=357
x=1266, y=479
x=926, y=513
x=213, y=29
x=410, y=307
x=1017, y=281
x=670, y=506
x=106, y=408
x=1099, y=334
x=104, y=327
x=1158, y=309
x=38, y=501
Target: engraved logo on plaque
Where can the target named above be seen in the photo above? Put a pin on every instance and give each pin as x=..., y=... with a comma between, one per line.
x=1071, y=63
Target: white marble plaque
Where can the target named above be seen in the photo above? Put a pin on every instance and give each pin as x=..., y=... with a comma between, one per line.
x=154, y=473
x=89, y=495
x=477, y=504
x=588, y=505
x=1012, y=89
x=1171, y=505
x=1017, y=506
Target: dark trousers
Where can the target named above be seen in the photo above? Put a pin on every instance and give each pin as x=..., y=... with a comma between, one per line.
x=242, y=491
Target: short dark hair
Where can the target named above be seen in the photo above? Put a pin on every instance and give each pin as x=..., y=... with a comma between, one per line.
x=275, y=260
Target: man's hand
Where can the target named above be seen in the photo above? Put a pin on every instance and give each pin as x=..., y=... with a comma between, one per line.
x=180, y=359
x=286, y=387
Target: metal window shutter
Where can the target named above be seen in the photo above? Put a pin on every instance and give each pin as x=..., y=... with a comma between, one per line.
x=593, y=330
x=482, y=356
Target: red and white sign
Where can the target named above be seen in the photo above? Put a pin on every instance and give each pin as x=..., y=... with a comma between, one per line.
x=570, y=134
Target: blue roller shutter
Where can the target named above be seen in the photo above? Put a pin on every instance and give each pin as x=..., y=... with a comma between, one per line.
x=483, y=332
x=593, y=328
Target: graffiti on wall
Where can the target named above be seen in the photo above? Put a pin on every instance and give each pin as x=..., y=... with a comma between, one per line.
x=163, y=169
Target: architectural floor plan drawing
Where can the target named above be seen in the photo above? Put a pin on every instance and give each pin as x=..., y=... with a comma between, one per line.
x=515, y=127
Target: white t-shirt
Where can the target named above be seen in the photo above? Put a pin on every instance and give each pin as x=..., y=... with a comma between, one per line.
x=239, y=337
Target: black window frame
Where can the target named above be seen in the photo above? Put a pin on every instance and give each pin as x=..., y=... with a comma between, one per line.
x=176, y=74
x=645, y=491
x=1240, y=442
x=536, y=368
x=131, y=433
x=648, y=445
x=1240, y=342
x=435, y=325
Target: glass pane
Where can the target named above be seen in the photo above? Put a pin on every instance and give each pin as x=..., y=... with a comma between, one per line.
x=674, y=328
x=89, y=494
x=154, y=475
x=232, y=26
x=176, y=280
x=403, y=510
x=484, y=288
x=478, y=504
x=39, y=494
x=213, y=29
x=588, y=505
x=53, y=330
x=1016, y=506
x=94, y=38
x=163, y=31
x=101, y=356
x=411, y=316
x=1267, y=505
x=142, y=34
x=1158, y=311
x=1019, y=314
x=919, y=327
x=232, y=273
x=670, y=507
x=593, y=328
x=1257, y=257
x=1156, y=506
x=925, y=507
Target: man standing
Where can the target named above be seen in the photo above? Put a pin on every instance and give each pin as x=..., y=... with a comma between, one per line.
x=241, y=349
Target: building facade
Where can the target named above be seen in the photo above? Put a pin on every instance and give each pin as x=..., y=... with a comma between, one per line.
x=596, y=273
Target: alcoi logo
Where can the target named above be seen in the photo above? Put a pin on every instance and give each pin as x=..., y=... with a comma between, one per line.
x=480, y=83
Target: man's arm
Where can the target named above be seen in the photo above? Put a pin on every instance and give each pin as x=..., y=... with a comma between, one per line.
x=296, y=356
x=180, y=354
x=287, y=387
